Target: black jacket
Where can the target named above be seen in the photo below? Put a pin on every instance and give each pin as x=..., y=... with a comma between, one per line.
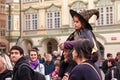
x=105, y=66
x=6, y=74
x=66, y=67
x=25, y=72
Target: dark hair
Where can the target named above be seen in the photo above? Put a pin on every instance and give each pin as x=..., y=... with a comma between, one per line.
x=113, y=62
x=33, y=50
x=118, y=53
x=17, y=48
x=84, y=49
x=109, y=54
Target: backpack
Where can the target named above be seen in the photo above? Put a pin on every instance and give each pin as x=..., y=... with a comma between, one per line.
x=35, y=75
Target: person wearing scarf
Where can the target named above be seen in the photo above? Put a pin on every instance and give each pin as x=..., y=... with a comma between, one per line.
x=34, y=62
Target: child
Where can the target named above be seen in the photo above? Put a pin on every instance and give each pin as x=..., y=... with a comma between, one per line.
x=54, y=74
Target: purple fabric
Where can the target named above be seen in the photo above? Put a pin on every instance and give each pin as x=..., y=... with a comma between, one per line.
x=33, y=64
x=69, y=44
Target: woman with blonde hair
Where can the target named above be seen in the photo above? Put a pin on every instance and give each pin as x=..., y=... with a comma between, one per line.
x=5, y=67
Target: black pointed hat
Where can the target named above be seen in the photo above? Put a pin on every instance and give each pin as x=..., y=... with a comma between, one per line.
x=86, y=15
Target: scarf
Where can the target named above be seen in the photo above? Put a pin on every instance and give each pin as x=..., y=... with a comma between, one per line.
x=33, y=64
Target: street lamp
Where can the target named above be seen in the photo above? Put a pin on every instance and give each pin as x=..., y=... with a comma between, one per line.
x=20, y=19
x=9, y=26
x=8, y=6
x=20, y=36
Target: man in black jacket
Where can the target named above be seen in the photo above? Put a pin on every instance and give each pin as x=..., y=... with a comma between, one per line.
x=105, y=63
x=17, y=57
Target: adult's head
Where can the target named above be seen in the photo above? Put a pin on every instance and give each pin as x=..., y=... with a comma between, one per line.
x=81, y=19
x=111, y=62
x=16, y=53
x=48, y=57
x=33, y=55
x=83, y=51
x=38, y=51
x=118, y=55
x=5, y=63
x=109, y=56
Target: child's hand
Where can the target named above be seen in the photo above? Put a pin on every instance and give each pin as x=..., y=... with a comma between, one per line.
x=62, y=46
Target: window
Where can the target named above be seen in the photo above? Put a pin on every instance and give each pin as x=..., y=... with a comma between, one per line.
x=30, y=1
x=106, y=15
x=2, y=31
x=15, y=0
x=8, y=1
x=2, y=8
x=9, y=23
x=53, y=19
x=31, y=21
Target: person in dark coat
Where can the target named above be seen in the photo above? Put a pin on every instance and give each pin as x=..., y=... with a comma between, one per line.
x=85, y=58
x=49, y=64
x=105, y=63
x=111, y=67
x=17, y=57
x=6, y=74
x=67, y=64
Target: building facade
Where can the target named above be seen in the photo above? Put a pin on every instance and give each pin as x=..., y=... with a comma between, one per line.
x=3, y=40
x=47, y=23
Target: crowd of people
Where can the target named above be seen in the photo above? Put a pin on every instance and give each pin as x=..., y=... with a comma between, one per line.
x=81, y=70
x=79, y=60
x=111, y=67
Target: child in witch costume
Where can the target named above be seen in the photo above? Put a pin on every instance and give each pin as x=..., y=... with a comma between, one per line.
x=83, y=29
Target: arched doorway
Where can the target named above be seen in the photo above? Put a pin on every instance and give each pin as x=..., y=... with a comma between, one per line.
x=51, y=45
x=26, y=45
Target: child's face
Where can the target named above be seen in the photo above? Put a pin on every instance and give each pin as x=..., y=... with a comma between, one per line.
x=57, y=67
x=77, y=23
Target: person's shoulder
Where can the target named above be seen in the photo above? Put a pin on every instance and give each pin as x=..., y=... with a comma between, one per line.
x=7, y=72
x=24, y=66
x=105, y=61
x=81, y=67
x=41, y=65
